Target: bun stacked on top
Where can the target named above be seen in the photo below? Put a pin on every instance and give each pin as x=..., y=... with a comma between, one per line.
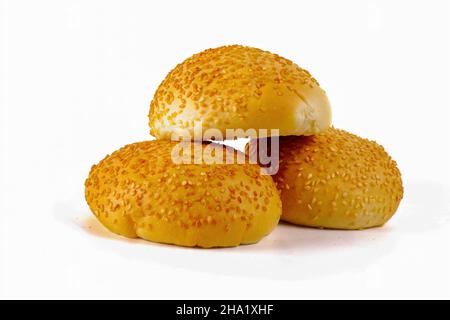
x=327, y=178
x=236, y=87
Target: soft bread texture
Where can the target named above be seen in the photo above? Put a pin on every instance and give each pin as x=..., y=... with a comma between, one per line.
x=237, y=87
x=138, y=191
x=337, y=180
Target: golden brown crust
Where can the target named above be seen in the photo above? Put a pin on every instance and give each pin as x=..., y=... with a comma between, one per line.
x=139, y=192
x=337, y=180
x=237, y=87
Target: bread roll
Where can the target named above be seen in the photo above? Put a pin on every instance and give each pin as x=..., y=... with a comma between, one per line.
x=337, y=180
x=237, y=87
x=139, y=191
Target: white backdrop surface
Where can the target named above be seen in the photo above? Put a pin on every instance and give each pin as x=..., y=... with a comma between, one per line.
x=77, y=78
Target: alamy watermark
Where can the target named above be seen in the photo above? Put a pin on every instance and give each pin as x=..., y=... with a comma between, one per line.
x=263, y=151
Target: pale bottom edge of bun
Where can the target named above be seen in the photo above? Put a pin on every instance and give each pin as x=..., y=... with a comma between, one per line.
x=360, y=222
x=207, y=237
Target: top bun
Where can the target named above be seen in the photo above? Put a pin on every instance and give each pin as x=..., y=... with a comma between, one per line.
x=237, y=87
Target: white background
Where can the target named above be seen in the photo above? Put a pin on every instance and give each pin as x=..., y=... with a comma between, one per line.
x=77, y=78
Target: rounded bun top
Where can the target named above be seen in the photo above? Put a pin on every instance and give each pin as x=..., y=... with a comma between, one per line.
x=238, y=87
x=140, y=191
x=336, y=179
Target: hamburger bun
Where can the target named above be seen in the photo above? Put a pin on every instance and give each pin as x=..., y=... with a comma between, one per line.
x=336, y=180
x=139, y=191
x=237, y=87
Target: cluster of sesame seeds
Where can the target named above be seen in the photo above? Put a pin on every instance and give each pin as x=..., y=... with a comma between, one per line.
x=140, y=181
x=337, y=174
x=217, y=86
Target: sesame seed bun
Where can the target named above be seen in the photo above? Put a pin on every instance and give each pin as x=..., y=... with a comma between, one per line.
x=237, y=87
x=138, y=191
x=337, y=180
